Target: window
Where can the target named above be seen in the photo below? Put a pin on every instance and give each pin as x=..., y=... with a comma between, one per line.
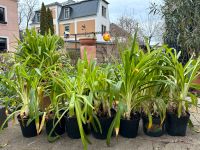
x=67, y=33
x=67, y=28
x=2, y=15
x=3, y=44
x=104, y=11
x=37, y=17
x=66, y=13
x=103, y=29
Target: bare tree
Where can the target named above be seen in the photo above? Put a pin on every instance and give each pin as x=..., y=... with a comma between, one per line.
x=152, y=28
x=124, y=28
x=21, y=14
x=128, y=24
x=26, y=11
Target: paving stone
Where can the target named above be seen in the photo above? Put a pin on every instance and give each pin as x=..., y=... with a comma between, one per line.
x=12, y=139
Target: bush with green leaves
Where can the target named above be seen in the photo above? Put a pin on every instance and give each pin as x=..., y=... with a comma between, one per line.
x=39, y=48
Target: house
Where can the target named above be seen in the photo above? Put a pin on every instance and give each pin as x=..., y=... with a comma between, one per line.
x=9, y=30
x=71, y=17
x=118, y=33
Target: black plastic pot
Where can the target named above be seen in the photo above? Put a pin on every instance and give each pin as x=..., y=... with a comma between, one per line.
x=3, y=116
x=72, y=128
x=177, y=126
x=27, y=131
x=105, y=125
x=157, y=128
x=129, y=128
x=58, y=130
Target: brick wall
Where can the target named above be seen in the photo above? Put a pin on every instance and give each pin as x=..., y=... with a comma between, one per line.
x=104, y=52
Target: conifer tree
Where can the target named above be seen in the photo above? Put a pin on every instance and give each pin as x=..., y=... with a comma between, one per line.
x=49, y=22
x=43, y=20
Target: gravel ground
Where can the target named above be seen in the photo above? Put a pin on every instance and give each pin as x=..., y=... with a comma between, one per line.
x=12, y=139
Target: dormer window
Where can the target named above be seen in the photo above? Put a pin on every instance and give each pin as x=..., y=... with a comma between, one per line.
x=66, y=13
x=37, y=17
x=2, y=15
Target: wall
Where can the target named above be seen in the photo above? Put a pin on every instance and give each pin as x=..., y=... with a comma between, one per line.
x=53, y=12
x=62, y=29
x=104, y=53
x=55, y=18
x=101, y=20
x=90, y=26
x=11, y=29
x=77, y=22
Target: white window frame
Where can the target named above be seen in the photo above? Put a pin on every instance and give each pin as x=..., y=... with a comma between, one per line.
x=66, y=9
x=7, y=39
x=103, y=29
x=6, y=13
x=68, y=26
x=104, y=8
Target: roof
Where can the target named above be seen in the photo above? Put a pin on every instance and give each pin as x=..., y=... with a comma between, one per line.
x=54, y=4
x=81, y=9
x=77, y=9
x=118, y=31
x=106, y=1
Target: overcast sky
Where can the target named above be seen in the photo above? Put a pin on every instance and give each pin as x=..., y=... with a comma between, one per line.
x=138, y=8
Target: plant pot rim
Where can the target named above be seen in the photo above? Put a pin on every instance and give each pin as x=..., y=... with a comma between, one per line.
x=175, y=114
x=134, y=116
x=20, y=118
x=132, y=119
x=26, y=119
x=68, y=117
x=105, y=118
x=87, y=38
x=144, y=116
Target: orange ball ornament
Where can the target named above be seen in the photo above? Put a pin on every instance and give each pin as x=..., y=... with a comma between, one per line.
x=106, y=36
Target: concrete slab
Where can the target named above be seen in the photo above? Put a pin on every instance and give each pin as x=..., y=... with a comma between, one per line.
x=12, y=139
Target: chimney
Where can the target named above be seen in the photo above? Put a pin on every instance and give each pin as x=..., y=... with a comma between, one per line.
x=68, y=2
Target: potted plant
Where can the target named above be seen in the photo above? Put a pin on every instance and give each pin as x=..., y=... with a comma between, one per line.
x=7, y=95
x=87, y=40
x=154, y=113
x=156, y=98
x=76, y=102
x=25, y=84
x=135, y=76
x=55, y=122
x=44, y=49
x=103, y=100
x=181, y=80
